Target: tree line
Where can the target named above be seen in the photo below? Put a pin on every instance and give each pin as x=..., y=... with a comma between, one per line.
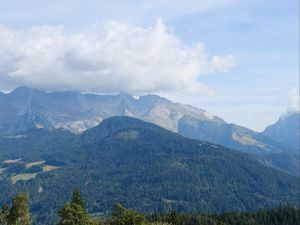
x=73, y=212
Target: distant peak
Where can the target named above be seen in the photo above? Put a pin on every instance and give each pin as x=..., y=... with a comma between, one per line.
x=24, y=90
x=153, y=98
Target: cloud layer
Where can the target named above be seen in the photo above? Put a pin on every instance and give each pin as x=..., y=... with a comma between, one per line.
x=112, y=57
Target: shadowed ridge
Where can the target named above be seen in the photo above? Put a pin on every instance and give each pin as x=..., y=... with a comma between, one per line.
x=115, y=124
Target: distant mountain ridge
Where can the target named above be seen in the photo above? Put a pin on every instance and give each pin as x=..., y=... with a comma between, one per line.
x=139, y=164
x=26, y=108
x=30, y=108
x=286, y=129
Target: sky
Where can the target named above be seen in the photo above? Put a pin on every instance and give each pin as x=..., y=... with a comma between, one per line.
x=238, y=59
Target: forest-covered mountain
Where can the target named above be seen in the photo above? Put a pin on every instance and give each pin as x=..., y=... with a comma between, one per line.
x=26, y=108
x=139, y=164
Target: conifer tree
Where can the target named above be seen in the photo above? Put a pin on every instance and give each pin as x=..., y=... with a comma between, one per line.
x=19, y=212
x=174, y=218
x=74, y=213
x=76, y=198
x=4, y=212
x=123, y=216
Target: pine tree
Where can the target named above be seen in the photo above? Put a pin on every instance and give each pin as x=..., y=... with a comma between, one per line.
x=74, y=213
x=123, y=216
x=76, y=198
x=19, y=212
x=4, y=212
x=174, y=218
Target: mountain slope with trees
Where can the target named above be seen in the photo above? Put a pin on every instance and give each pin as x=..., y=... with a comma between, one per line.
x=140, y=165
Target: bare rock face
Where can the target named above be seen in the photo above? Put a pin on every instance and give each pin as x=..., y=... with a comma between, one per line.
x=27, y=108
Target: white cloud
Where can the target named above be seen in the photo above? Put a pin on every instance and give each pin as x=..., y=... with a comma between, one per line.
x=114, y=57
x=294, y=101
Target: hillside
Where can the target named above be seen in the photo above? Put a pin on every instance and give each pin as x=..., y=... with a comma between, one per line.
x=139, y=164
x=267, y=149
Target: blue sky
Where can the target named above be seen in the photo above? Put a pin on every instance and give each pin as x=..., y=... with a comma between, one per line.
x=262, y=36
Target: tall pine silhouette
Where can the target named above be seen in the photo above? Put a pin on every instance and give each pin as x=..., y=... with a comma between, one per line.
x=74, y=212
x=19, y=211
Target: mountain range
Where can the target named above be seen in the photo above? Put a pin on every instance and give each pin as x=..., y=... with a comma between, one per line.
x=141, y=165
x=26, y=108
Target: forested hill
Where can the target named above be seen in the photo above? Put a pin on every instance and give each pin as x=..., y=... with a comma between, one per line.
x=139, y=164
